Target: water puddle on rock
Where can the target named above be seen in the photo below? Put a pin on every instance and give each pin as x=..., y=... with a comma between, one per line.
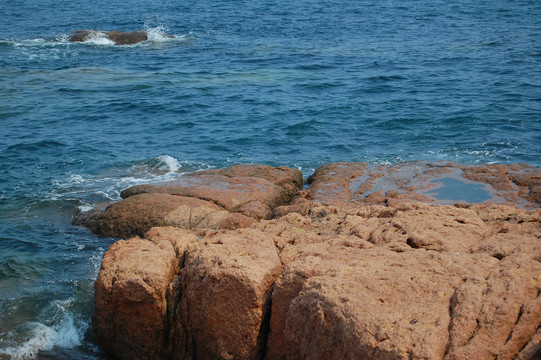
x=456, y=190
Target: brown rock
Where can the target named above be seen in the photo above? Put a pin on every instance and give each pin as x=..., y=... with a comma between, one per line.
x=287, y=178
x=519, y=180
x=501, y=314
x=137, y=214
x=236, y=221
x=226, y=291
x=332, y=183
x=182, y=240
x=199, y=200
x=234, y=188
x=255, y=209
x=338, y=302
x=397, y=280
x=299, y=205
x=440, y=183
x=532, y=351
x=130, y=298
x=434, y=228
x=127, y=38
x=179, y=343
x=118, y=37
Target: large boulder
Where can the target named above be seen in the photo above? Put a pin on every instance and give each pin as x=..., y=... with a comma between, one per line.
x=130, y=317
x=240, y=188
x=117, y=37
x=337, y=302
x=137, y=214
x=227, y=286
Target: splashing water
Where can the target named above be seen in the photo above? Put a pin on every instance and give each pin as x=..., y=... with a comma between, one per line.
x=66, y=333
x=158, y=34
x=98, y=38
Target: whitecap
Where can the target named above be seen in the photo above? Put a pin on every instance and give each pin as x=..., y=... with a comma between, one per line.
x=85, y=192
x=76, y=179
x=156, y=167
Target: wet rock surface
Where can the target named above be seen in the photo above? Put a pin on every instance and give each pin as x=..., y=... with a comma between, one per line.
x=439, y=183
x=329, y=272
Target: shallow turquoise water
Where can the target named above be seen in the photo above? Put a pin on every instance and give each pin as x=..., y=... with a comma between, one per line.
x=274, y=82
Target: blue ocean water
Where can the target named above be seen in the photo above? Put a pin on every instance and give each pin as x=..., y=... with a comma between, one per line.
x=296, y=83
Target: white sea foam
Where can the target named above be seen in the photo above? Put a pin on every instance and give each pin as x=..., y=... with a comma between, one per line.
x=158, y=34
x=98, y=38
x=65, y=334
x=85, y=207
x=172, y=164
x=86, y=191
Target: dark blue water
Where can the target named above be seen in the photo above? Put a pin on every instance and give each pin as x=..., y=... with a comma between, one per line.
x=297, y=83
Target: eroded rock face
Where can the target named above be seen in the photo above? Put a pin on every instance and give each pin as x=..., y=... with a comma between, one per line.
x=137, y=214
x=234, y=188
x=351, y=278
x=336, y=302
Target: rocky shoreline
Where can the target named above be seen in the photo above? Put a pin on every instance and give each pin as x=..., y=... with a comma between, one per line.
x=416, y=260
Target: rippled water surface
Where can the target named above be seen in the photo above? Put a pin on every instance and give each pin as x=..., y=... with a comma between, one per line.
x=297, y=83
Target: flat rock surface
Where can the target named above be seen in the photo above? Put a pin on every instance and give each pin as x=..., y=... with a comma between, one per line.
x=334, y=273
x=439, y=183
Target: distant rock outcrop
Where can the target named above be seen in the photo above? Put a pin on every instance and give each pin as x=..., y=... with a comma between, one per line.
x=117, y=37
x=329, y=272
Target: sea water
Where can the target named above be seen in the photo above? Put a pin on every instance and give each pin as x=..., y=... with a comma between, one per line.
x=296, y=83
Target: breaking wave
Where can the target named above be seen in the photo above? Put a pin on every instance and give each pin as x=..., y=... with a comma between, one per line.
x=65, y=332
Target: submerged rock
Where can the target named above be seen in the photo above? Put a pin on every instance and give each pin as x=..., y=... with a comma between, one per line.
x=350, y=278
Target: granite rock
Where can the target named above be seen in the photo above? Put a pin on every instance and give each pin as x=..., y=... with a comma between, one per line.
x=130, y=317
x=329, y=272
